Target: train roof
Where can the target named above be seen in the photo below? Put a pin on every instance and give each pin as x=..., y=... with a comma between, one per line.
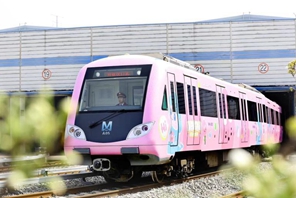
x=182, y=64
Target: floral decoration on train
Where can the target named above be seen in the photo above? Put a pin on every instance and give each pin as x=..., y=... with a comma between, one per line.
x=163, y=127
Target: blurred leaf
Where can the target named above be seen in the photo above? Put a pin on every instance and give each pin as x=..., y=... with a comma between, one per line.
x=58, y=186
x=291, y=127
x=28, y=122
x=241, y=159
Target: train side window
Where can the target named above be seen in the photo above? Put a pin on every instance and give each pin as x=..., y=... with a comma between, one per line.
x=222, y=105
x=268, y=116
x=208, y=105
x=164, y=105
x=189, y=99
x=264, y=113
x=252, y=110
x=233, y=108
x=244, y=109
x=181, y=98
x=194, y=100
x=279, y=118
x=173, y=97
x=275, y=118
x=272, y=116
x=259, y=115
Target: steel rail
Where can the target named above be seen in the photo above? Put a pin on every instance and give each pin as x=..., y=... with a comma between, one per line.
x=6, y=161
x=46, y=179
x=120, y=190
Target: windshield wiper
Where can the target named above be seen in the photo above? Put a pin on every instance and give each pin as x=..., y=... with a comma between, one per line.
x=106, y=118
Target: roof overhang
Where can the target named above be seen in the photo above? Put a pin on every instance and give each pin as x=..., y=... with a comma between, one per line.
x=275, y=88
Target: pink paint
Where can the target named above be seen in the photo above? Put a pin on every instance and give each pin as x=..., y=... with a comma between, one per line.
x=209, y=129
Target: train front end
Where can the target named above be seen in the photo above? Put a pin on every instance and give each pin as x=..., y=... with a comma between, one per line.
x=109, y=131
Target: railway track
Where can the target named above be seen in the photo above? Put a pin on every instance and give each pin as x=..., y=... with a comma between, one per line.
x=6, y=163
x=44, y=173
x=103, y=190
x=108, y=190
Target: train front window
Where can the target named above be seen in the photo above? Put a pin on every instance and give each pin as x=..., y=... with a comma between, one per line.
x=113, y=90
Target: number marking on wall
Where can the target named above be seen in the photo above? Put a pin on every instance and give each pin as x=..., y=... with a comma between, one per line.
x=199, y=68
x=263, y=68
x=46, y=74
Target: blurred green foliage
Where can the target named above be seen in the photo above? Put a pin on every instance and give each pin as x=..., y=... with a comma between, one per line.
x=278, y=181
x=27, y=123
x=291, y=67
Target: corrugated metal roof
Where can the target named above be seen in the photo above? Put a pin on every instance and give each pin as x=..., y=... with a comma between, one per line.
x=244, y=17
x=25, y=28
x=248, y=17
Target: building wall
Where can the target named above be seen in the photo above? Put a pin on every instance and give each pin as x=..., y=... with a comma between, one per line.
x=233, y=51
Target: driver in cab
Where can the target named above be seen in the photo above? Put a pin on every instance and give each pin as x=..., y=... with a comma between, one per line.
x=121, y=99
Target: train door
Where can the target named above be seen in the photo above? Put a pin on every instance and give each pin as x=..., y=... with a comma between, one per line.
x=260, y=119
x=222, y=112
x=192, y=113
x=243, y=115
x=173, y=104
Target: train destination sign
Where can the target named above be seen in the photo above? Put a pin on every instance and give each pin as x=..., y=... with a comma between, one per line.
x=117, y=72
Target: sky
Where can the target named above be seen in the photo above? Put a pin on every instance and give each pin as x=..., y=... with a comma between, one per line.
x=81, y=13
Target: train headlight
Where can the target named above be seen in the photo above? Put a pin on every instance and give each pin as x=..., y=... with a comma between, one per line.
x=98, y=74
x=140, y=130
x=75, y=132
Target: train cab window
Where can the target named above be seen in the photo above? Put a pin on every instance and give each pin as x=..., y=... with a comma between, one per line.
x=208, y=105
x=233, y=108
x=102, y=86
x=252, y=111
x=181, y=98
x=164, y=105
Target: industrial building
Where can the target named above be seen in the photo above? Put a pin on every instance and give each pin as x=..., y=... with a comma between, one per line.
x=249, y=49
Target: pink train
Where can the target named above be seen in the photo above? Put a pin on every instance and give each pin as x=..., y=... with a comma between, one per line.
x=175, y=120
